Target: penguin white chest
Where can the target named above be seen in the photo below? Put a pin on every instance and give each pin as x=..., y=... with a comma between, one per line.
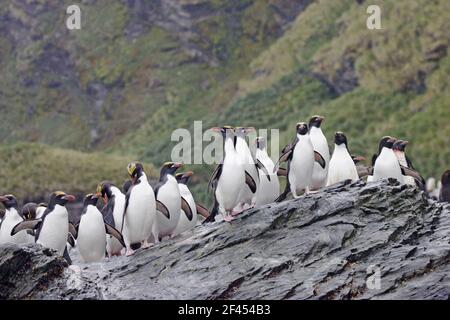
x=54, y=230
x=230, y=182
x=387, y=166
x=320, y=144
x=184, y=223
x=169, y=195
x=113, y=245
x=141, y=213
x=341, y=166
x=301, y=165
x=91, y=240
x=267, y=190
x=11, y=219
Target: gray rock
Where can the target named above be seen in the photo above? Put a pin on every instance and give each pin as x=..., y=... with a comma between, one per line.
x=350, y=241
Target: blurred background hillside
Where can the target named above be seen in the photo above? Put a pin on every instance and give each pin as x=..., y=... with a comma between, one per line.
x=76, y=106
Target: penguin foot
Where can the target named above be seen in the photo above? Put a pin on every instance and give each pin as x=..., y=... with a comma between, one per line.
x=146, y=245
x=129, y=252
x=228, y=218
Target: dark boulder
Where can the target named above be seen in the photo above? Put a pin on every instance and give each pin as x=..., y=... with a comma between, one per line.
x=351, y=241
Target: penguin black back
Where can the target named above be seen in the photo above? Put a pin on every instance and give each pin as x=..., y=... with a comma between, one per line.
x=444, y=195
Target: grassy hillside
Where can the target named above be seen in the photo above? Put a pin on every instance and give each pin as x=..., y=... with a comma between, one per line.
x=33, y=171
x=139, y=70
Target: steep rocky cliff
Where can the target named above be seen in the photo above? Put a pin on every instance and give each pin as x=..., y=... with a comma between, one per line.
x=350, y=241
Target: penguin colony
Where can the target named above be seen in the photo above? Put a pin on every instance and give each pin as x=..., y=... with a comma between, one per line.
x=140, y=215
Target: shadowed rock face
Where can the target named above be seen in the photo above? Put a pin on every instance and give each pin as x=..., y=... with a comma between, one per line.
x=326, y=245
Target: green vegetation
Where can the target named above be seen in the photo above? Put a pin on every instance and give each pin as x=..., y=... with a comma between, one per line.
x=125, y=82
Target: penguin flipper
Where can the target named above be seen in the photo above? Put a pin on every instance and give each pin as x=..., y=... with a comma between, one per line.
x=420, y=181
x=284, y=194
x=285, y=156
x=162, y=208
x=374, y=159
x=215, y=176
x=250, y=182
x=73, y=231
x=282, y=172
x=115, y=233
x=26, y=225
x=202, y=210
x=70, y=240
x=108, y=212
x=319, y=159
x=187, y=209
x=260, y=165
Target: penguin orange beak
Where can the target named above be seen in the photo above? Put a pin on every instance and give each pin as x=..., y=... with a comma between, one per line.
x=69, y=198
x=3, y=199
x=188, y=174
x=216, y=129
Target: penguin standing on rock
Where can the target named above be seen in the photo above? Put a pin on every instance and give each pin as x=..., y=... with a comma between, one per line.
x=52, y=229
x=300, y=157
x=139, y=218
x=444, y=195
x=228, y=177
x=112, y=213
x=342, y=165
x=320, y=144
x=269, y=185
x=386, y=163
x=168, y=200
x=92, y=231
x=10, y=219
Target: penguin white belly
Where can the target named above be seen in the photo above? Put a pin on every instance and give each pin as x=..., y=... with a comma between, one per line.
x=141, y=214
x=301, y=166
x=387, y=166
x=245, y=195
x=267, y=191
x=184, y=223
x=54, y=230
x=113, y=246
x=341, y=167
x=91, y=240
x=11, y=219
x=230, y=183
x=320, y=144
x=402, y=161
x=169, y=195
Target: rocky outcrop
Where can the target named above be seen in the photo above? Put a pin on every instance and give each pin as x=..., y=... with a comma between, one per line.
x=350, y=241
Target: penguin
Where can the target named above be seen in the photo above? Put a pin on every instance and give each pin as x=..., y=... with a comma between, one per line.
x=10, y=219
x=139, y=220
x=399, y=151
x=300, y=157
x=52, y=229
x=342, y=166
x=386, y=164
x=247, y=197
x=269, y=185
x=92, y=231
x=2, y=214
x=189, y=209
x=112, y=214
x=444, y=194
x=320, y=144
x=168, y=199
x=228, y=177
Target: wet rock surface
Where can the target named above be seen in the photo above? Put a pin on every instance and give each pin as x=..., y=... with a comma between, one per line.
x=350, y=241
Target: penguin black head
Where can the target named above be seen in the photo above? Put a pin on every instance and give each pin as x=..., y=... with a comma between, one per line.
x=315, y=121
x=302, y=128
x=389, y=143
x=9, y=201
x=340, y=138
x=383, y=142
x=29, y=211
x=104, y=190
x=135, y=170
x=243, y=131
x=169, y=168
x=61, y=198
x=224, y=131
x=400, y=145
x=184, y=177
x=261, y=143
x=445, y=179
x=90, y=199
